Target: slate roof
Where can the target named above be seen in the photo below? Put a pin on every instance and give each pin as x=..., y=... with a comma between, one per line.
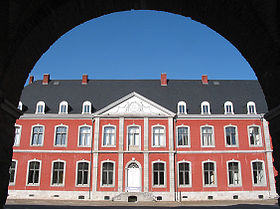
x=103, y=92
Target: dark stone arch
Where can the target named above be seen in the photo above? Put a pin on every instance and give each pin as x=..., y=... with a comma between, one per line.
x=32, y=26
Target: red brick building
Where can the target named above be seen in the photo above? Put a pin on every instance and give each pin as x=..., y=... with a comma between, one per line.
x=149, y=139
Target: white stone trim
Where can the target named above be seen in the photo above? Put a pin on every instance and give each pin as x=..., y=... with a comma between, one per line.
x=260, y=132
x=15, y=175
x=20, y=129
x=228, y=103
x=76, y=174
x=114, y=173
x=181, y=103
x=264, y=173
x=189, y=136
x=31, y=135
x=126, y=171
x=37, y=107
x=27, y=173
x=236, y=136
x=171, y=133
x=60, y=105
x=164, y=135
x=85, y=103
x=213, y=135
x=239, y=173
x=140, y=135
x=90, y=139
x=64, y=173
x=205, y=103
x=251, y=103
x=146, y=172
x=115, y=142
x=164, y=163
x=215, y=173
x=66, y=140
x=146, y=134
x=190, y=174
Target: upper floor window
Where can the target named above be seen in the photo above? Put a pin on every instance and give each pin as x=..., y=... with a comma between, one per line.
x=182, y=107
x=107, y=174
x=234, y=174
x=17, y=135
x=158, y=136
x=251, y=108
x=63, y=107
x=13, y=172
x=37, y=135
x=60, y=136
x=86, y=107
x=258, y=173
x=84, y=136
x=205, y=108
x=207, y=136
x=33, y=173
x=82, y=173
x=228, y=107
x=209, y=174
x=40, y=107
x=58, y=173
x=109, y=136
x=133, y=135
x=255, y=136
x=158, y=174
x=183, y=136
x=20, y=105
x=231, y=136
x=184, y=174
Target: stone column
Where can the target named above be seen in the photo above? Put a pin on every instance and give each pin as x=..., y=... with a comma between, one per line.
x=120, y=165
x=171, y=158
x=95, y=155
x=146, y=155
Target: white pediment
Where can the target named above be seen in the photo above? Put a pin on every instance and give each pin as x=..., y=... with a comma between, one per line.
x=134, y=105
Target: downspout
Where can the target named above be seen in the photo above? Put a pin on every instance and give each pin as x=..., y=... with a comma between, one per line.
x=175, y=161
x=91, y=154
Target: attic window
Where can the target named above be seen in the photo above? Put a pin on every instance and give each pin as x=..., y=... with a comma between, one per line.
x=182, y=107
x=205, y=108
x=63, y=107
x=40, y=107
x=20, y=105
x=86, y=108
x=228, y=107
x=251, y=108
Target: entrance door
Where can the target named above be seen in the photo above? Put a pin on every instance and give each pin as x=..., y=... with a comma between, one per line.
x=133, y=178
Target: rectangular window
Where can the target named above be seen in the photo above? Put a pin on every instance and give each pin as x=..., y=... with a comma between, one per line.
x=209, y=174
x=205, y=109
x=107, y=174
x=207, y=136
x=184, y=174
x=231, y=138
x=58, y=173
x=258, y=173
x=133, y=136
x=37, y=136
x=234, y=174
x=82, y=173
x=13, y=172
x=84, y=136
x=109, y=136
x=158, y=136
x=17, y=136
x=158, y=174
x=33, y=172
x=60, y=135
x=228, y=109
x=255, y=137
x=183, y=136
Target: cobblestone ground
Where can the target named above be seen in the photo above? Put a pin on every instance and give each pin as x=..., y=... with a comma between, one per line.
x=38, y=204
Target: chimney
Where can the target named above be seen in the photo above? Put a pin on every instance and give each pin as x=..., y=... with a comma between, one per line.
x=85, y=79
x=163, y=79
x=46, y=79
x=204, y=79
x=31, y=79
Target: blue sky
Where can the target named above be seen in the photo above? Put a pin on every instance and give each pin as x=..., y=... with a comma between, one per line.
x=142, y=45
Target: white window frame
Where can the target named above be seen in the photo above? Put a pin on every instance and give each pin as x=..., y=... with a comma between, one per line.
x=205, y=103
x=20, y=105
x=115, y=142
x=164, y=135
x=77, y=164
x=261, y=144
x=251, y=103
x=20, y=129
x=159, y=186
x=31, y=136
x=177, y=135
x=40, y=169
x=66, y=139
x=15, y=175
x=190, y=173
x=239, y=172
x=215, y=173
x=228, y=103
x=86, y=103
x=60, y=105
x=182, y=103
x=90, y=138
x=114, y=173
x=213, y=135
x=64, y=173
x=127, y=138
x=236, y=136
x=37, y=107
x=264, y=174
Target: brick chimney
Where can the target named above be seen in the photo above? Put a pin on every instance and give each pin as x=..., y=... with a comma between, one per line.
x=204, y=79
x=46, y=79
x=31, y=79
x=85, y=79
x=163, y=79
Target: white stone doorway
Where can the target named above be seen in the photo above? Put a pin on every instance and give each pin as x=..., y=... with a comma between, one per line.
x=133, y=183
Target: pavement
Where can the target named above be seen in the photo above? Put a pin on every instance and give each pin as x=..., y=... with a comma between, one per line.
x=87, y=204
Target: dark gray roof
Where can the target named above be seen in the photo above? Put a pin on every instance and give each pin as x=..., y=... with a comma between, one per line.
x=103, y=92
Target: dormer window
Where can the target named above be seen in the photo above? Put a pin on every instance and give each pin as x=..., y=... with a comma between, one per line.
x=86, y=108
x=182, y=107
x=40, y=107
x=205, y=108
x=228, y=107
x=63, y=107
x=251, y=108
x=20, y=105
